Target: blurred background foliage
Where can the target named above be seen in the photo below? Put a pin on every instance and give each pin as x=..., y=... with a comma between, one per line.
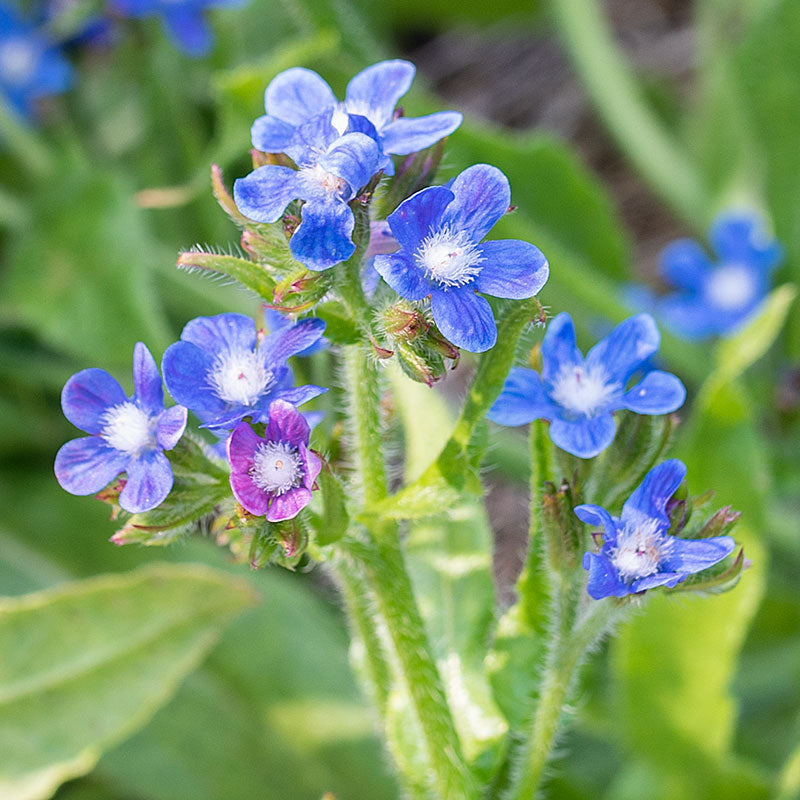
x=615, y=141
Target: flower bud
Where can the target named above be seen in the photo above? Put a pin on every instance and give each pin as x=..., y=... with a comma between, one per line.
x=403, y=322
x=562, y=528
x=427, y=368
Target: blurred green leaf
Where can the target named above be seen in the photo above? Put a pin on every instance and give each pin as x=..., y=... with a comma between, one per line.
x=87, y=663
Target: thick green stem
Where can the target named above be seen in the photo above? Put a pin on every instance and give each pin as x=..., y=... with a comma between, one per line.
x=568, y=648
x=389, y=583
x=618, y=100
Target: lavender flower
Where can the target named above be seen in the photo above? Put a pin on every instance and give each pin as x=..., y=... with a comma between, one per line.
x=331, y=170
x=273, y=476
x=128, y=434
x=31, y=66
x=579, y=396
x=713, y=299
x=440, y=230
x=295, y=96
x=223, y=373
x=637, y=552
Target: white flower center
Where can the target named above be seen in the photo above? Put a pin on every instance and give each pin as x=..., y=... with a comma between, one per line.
x=582, y=390
x=639, y=550
x=276, y=467
x=318, y=178
x=730, y=287
x=449, y=257
x=240, y=377
x=129, y=429
x=18, y=57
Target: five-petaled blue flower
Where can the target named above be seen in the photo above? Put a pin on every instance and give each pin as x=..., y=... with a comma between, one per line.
x=183, y=19
x=637, y=552
x=128, y=434
x=714, y=299
x=440, y=231
x=31, y=66
x=331, y=169
x=296, y=95
x=579, y=396
x=221, y=372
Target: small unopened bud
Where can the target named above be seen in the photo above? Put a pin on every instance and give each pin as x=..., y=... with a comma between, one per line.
x=424, y=369
x=563, y=530
x=403, y=322
x=720, y=523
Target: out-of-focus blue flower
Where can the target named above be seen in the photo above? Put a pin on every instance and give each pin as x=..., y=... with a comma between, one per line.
x=295, y=96
x=713, y=299
x=273, y=476
x=128, y=434
x=332, y=168
x=579, y=396
x=221, y=372
x=31, y=66
x=637, y=552
x=184, y=19
x=440, y=231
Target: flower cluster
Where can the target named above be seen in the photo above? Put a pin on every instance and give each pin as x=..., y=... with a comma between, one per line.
x=637, y=551
x=580, y=395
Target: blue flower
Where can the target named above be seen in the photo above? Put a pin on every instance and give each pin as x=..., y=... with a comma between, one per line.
x=637, y=552
x=274, y=322
x=183, y=19
x=331, y=170
x=579, y=396
x=31, y=66
x=714, y=299
x=295, y=96
x=128, y=434
x=223, y=373
x=440, y=230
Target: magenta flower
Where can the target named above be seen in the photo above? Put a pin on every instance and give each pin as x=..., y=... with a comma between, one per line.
x=273, y=476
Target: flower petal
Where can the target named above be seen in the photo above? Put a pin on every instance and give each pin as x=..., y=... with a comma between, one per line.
x=264, y=194
x=251, y=498
x=241, y=447
x=296, y=95
x=624, y=349
x=312, y=464
x=353, y=157
x=375, y=91
x=170, y=427
x=416, y=217
x=188, y=28
x=288, y=341
x=669, y=579
x=465, y=318
x=691, y=317
x=85, y=466
x=584, y=437
x=598, y=516
x=286, y=424
x=401, y=273
x=522, y=399
x=657, y=393
x=299, y=394
x=694, y=555
x=685, y=264
x=185, y=368
x=404, y=135
x=221, y=332
x=270, y=134
x=651, y=496
x=147, y=384
x=324, y=236
x=482, y=196
x=311, y=139
x=604, y=580
x=512, y=269
x=741, y=237
x=149, y=482
x=87, y=395
x=558, y=347
x=289, y=505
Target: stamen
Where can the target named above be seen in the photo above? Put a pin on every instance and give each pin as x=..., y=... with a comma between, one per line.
x=240, y=377
x=318, y=178
x=582, y=390
x=449, y=257
x=640, y=549
x=129, y=429
x=276, y=467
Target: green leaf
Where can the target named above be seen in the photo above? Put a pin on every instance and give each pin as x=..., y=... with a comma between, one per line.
x=86, y=664
x=251, y=275
x=450, y=564
x=335, y=519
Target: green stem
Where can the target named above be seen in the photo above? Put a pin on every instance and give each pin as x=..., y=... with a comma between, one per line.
x=618, y=100
x=568, y=648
